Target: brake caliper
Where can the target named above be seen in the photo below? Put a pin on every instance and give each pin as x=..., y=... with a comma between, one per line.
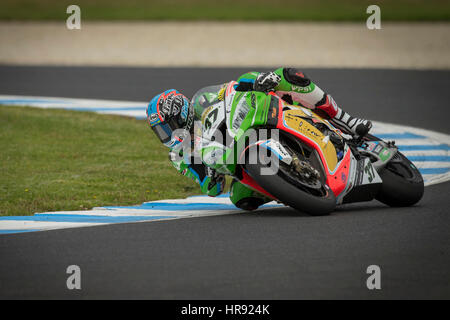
x=305, y=170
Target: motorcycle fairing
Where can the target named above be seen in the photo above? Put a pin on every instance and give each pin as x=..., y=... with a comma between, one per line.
x=294, y=120
x=342, y=176
x=366, y=183
x=379, y=150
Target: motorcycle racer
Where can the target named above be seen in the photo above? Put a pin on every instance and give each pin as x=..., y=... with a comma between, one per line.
x=171, y=110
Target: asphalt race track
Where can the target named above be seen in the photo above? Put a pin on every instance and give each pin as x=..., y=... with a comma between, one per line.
x=270, y=254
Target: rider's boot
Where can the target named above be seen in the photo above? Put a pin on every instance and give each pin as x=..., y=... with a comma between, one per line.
x=351, y=125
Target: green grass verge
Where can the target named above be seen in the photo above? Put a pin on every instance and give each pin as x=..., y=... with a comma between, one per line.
x=66, y=160
x=305, y=10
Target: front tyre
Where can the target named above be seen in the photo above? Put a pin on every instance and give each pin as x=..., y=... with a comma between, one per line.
x=402, y=183
x=295, y=196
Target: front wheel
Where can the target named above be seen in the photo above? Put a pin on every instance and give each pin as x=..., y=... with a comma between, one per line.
x=402, y=183
x=317, y=201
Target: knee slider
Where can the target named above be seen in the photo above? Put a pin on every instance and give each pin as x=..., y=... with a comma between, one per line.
x=250, y=203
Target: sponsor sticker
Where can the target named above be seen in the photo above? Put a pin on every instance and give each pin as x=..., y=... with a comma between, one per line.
x=153, y=118
x=300, y=89
x=384, y=155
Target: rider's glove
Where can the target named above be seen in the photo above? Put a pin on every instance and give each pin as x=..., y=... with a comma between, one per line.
x=266, y=81
x=176, y=158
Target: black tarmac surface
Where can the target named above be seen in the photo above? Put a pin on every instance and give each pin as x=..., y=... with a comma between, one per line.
x=270, y=254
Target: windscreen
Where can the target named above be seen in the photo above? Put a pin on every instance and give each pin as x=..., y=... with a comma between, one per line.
x=204, y=98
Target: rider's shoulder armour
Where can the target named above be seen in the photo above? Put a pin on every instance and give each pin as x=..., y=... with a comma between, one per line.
x=295, y=76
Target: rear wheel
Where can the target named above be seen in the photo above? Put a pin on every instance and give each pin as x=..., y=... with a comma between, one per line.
x=402, y=183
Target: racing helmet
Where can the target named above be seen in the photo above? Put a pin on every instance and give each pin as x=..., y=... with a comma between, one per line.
x=167, y=112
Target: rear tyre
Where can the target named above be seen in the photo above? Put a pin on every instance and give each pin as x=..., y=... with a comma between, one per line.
x=402, y=183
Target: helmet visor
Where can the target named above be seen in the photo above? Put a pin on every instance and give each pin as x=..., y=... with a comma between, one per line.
x=163, y=132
